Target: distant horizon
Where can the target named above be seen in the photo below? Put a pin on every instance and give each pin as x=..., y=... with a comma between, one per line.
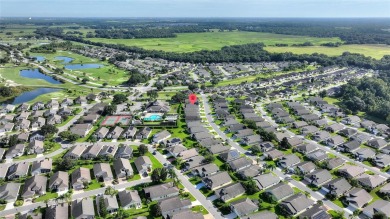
x=196, y=8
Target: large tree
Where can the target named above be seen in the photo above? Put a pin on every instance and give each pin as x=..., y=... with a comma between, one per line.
x=119, y=98
x=48, y=130
x=142, y=149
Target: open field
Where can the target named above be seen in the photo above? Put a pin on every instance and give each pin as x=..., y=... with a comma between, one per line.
x=189, y=42
x=375, y=51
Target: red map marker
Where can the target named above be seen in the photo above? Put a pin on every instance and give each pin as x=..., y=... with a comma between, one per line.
x=192, y=98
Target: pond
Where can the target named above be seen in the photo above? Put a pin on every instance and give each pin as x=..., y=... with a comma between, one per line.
x=34, y=73
x=64, y=59
x=30, y=95
x=82, y=66
x=39, y=58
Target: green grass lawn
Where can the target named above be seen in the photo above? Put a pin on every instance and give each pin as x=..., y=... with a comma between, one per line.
x=199, y=209
x=155, y=162
x=47, y=196
x=93, y=185
x=190, y=42
x=375, y=51
x=69, y=90
x=108, y=73
x=24, y=157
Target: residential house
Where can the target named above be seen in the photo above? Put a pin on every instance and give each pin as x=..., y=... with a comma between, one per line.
x=370, y=181
x=187, y=154
x=92, y=151
x=229, y=192
x=357, y=198
x=266, y=180
x=382, y=160
x=305, y=167
x=15, y=151
x=18, y=170
x=52, y=104
x=335, y=141
x=174, y=204
x=38, y=123
x=348, y=132
x=81, y=100
x=161, y=136
x=162, y=191
x=157, y=106
x=310, y=129
x=350, y=146
x=335, y=127
x=80, y=177
x=57, y=211
x=251, y=140
x=243, y=207
x=317, y=156
x=364, y=153
x=351, y=171
x=75, y=152
x=9, y=191
x=296, y=204
x=102, y=172
x=273, y=154
x=262, y=215
x=379, y=206
x=205, y=170
x=59, y=182
x=36, y=147
x=124, y=151
x=217, y=180
x=123, y=168
x=143, y=133
x=337, y=187
x=377, y=143
x=129, y=199
x=230, y=155
x=108, y=151
x=321, y=136
x=315, y=212
x=81, y=130
x=33, y=186
x=101, y=133
x=143, y=165
x=115, y=133
x=279, y=192
x=334, y=163
x=306, y=148
x=352, y=120
x=288, y=161
x=239, y=164
x=109, y=201
x=83, y=209
x=41, y=166
x=318, y=177
x=54, y=119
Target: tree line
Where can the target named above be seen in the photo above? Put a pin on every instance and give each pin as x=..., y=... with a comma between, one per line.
x=369, y=95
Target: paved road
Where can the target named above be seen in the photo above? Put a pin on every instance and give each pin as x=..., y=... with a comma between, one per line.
x=191, y=188
x=278, y=172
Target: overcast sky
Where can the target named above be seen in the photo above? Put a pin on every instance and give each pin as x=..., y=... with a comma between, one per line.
x=194, y=8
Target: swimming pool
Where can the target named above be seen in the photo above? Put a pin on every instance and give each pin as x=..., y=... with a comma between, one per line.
x=152, y=117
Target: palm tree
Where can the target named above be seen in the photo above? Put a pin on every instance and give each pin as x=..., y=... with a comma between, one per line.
x=172, y=174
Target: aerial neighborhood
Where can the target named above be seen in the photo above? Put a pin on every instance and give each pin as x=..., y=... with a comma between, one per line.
x=111, y=119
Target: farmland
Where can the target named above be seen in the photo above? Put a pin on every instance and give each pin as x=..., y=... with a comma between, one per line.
x=375, y=51
x=190, y=42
